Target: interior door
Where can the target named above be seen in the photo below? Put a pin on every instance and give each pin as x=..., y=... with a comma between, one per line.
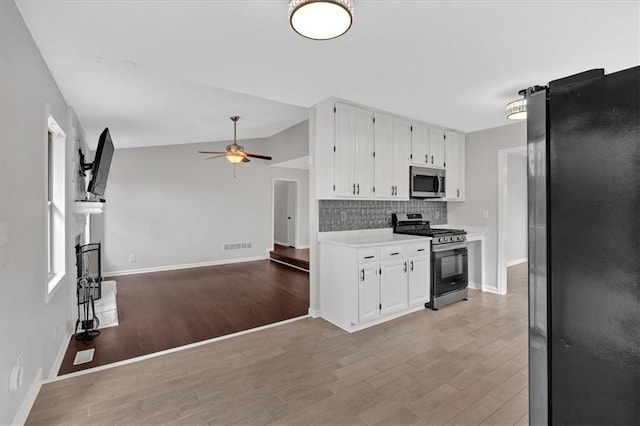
x=291, y=213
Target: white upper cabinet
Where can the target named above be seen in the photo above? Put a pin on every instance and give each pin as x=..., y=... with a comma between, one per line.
x=360, y=153
x=401, y=153
x=383, y=160
x=391, y=162
x=436, y=147
x=455, y=160
x=420, y=145
x=353, y=152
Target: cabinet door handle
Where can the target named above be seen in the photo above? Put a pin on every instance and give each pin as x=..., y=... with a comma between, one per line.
x=358, y=186
x=426, y=158
x=405, y=267
x=391, y=189
x=369, y=257
x=362, y=275
x=432, y=159
x=458, y=194
x=354, y=189
x=395, y=253
x=421, y=249
x=412, y=266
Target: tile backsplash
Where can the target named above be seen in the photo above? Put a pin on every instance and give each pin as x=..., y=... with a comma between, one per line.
x=367, y=214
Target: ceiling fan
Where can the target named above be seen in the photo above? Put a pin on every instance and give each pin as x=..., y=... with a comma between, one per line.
x=235, y=153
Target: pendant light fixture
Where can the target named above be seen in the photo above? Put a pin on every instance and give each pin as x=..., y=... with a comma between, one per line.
x=516, y=110
x=321, y=19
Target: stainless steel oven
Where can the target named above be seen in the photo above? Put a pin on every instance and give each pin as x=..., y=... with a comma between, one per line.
x=426, y=182
x=450, y=273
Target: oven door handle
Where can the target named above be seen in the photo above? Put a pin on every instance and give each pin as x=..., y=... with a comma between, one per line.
x=445, y=247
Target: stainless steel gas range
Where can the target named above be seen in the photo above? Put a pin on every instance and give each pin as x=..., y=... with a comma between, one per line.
x=449, y=259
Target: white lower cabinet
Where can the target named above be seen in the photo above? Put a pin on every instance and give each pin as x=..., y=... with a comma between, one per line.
x=368, y=292
x=393, y=286
x=392, y=280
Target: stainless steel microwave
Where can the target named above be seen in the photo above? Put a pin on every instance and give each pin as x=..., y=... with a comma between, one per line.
x=426, y=182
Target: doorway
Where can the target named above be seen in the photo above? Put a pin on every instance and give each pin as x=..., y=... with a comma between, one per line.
x=512, y=212
x=285, y=202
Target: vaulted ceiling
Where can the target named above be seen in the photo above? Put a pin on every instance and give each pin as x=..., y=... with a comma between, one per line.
x=168, y=72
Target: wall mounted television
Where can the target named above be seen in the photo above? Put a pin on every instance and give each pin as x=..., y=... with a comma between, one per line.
x=101, y=164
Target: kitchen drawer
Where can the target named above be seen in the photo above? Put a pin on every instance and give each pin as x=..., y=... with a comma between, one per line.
x=418, y=249
x=392, y=252
x=367, y=255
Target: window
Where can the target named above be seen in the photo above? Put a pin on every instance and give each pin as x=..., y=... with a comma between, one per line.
x=55, y=205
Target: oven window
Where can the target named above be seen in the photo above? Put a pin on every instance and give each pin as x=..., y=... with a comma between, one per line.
x=452, y=265
x=425, y=183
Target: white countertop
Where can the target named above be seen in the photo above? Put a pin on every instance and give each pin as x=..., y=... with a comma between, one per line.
x=377, y=239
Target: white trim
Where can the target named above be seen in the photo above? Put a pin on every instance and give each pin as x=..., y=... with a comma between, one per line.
x=27, y=403
x=361, y=326
x=517, y=261
x=302, y=247
x=475, y=286
x=288, y=264
x=314, y=313
x=60, y=357
x=183, y=266
x=491, y=290
x=170, y=351
x=503, y=158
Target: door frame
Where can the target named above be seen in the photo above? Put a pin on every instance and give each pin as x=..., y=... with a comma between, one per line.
x=503, y=169
x=297, y=207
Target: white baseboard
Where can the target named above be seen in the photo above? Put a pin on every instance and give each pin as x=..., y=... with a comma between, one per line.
x=58, y=361
x=280, y=243
x=517, y=261
x=491, y=290
x=314, y=313
x=184, y=266
x=302, y=247
x=27, y=403
x=475, y=286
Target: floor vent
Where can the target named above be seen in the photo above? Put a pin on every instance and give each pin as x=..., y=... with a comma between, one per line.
x=237, y=246
x=82, y=357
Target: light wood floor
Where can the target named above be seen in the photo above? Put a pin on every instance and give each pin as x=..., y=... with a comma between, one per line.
x=464, y=364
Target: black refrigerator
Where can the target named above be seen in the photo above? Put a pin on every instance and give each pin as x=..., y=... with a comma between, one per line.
x=584, y=249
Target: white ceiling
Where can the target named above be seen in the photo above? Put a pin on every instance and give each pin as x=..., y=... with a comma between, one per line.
x=452, y=63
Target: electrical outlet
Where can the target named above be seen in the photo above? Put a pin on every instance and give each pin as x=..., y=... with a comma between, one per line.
x=485, y=214
x=132, y=258
x=343, y=216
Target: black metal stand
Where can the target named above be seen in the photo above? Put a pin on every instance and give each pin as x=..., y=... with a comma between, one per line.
x=89, y=289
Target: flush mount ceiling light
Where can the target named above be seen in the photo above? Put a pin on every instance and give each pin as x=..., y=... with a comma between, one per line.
x=321, y=19
x=516, y=110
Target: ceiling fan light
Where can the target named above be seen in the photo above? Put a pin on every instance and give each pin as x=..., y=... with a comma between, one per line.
x=321, y=19
x=235, y=157
x=516, y=110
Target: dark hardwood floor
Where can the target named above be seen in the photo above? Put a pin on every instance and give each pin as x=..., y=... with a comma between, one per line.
x=291, y=256
x=164, y=310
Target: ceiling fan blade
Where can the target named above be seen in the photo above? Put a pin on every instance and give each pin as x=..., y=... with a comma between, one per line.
x=212, y=152
x=215, y=156
x=245, y=160
x=262, y=157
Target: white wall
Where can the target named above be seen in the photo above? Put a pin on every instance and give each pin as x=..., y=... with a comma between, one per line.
x=291, y=143
x=280, y=209
x=482, y=185
x=169, y=206
x=516, y=247
x=30, y=325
